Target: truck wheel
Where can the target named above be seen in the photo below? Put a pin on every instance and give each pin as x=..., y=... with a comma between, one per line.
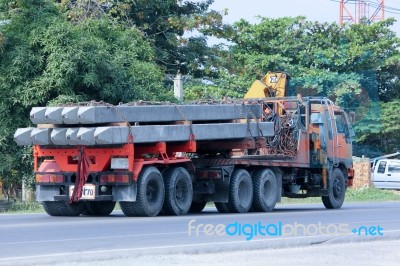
x=63, y=208
x=337, y=190
x=265, y=194
x=99, y=208
x=178, y=191
x=150, y=195
x=222, y=207
x=197, y=207
x=240, y=191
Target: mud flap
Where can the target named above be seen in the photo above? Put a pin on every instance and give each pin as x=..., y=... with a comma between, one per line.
x=125, y=193
x=46, y=193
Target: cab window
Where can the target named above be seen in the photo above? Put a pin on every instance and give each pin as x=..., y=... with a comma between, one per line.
x=394, y=167
x=381, y=167
x=340, y=123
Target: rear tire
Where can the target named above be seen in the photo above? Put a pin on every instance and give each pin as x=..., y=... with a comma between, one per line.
x=178, y=191
x=265, y=191
x=197, y=207
x=150, y=194
x=240, y=191
x=336, y=190
x=63, y=208
x=99, y=208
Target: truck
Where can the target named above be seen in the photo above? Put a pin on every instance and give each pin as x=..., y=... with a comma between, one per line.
x=374, y=161
x=172, y=159
x=386, y=174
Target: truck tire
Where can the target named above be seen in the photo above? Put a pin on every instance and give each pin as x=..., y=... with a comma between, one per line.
x=265, y=191
x=63, y=208
x=197, y=207
x=222, y=207
x=150, y=194
x=240, y=192
x=99, y=208
x=178, y=191
x=336, y=190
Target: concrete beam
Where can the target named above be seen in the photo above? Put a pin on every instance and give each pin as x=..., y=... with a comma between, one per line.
x=141, y=134
x=171, y=133
x=37, y=115
x=85, y=136
x=146, y=113
x=41, y=136
x=69, y=115
x=58, y=136
x=71, y=134
x=53, y=115
x=23, y=136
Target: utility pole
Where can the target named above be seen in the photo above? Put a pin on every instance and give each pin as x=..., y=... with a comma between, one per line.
x=178, y=87
x=355, y=11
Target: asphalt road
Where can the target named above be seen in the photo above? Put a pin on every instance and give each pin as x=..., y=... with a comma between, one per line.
x=42, y=239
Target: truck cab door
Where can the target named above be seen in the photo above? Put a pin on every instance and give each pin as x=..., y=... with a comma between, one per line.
x=379, y=177
x=343, y=135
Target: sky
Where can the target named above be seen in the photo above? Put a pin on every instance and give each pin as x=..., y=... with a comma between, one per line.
x=314, y=10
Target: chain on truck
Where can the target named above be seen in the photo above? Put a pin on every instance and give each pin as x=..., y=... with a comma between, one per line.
x=243, y=155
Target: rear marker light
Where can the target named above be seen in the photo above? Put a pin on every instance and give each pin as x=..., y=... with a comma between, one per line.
x=114, y=178
x=49, y=178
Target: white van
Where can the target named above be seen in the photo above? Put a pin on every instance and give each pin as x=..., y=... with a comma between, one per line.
x=387, y=174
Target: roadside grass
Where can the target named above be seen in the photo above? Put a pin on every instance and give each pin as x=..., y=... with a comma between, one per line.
x=25, y=207
x=372, y=194
x=352, y=195
x=355, y=195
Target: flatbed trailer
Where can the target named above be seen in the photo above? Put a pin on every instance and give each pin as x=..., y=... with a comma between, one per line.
x=265, y=149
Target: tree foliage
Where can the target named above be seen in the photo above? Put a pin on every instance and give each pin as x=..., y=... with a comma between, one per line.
x=46, y=59
x=378, y=129
x=321, y=57
x=163, y=22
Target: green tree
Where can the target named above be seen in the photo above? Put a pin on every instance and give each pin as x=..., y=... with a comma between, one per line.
x=391, y=125
x=164, y=23
x=319, y=56
x=46, y=59
x=378, y=129
x=388, y=78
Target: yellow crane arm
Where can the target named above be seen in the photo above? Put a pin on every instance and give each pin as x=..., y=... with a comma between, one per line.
x=273, y=84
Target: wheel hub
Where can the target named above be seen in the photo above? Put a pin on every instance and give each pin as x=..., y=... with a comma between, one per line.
x=337, y=188
x=243, y=192
x=180, y=191
x=151, y=192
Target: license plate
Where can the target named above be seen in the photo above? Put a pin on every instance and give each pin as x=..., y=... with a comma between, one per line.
x=88, y=191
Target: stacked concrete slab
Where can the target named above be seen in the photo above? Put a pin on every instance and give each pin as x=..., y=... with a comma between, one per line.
x=94, y=125
x=146, y=113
